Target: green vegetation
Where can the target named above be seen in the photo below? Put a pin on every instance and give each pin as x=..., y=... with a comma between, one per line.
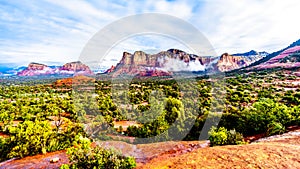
x=34, y=137
x=222, y=136
x=42, y=118
x=83, y=156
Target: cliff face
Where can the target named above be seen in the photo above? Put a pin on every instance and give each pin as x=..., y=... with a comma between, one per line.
x=36, y=66
x=36, y=69
x=228, y=62
x=160, y=64
x=172, y=60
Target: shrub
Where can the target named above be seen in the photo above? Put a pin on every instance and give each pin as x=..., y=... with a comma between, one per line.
x=29, y=138
x=262, y=114
x=275, y=128
x=222, y=136
x=3, y=149
x=83, y=156
x=34, y=137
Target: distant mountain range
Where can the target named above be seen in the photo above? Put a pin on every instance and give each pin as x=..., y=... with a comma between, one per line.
x=251, y=53
x=166, y=62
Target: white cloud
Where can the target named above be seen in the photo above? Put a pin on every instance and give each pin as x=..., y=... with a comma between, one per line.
x=57, y=30
x=84, y=9
x=236, y=26
x=37, y=53
x=179, y=9
x=149, y=43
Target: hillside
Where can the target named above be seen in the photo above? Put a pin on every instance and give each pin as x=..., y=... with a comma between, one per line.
x=274, y=54
x=288, y=58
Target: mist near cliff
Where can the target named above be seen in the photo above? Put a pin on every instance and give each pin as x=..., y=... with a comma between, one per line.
x=176, y=65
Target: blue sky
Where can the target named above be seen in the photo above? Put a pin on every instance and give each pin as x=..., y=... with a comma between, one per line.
x=55, y=31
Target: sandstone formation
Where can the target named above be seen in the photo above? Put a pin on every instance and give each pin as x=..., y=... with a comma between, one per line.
x=165, y=63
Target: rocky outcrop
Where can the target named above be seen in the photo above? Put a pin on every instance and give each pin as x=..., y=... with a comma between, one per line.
x=73, y=68
x=77, y=80
x=111, y=69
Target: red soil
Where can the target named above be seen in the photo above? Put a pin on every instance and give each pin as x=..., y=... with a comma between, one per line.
x=275, y=152
x=41, y=161
x=278, y=152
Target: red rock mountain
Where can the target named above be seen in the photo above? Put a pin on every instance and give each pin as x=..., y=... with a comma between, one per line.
x=231, y=62
x=37, y=69
x=174, y=60
x=75, y=68
x=160, y=64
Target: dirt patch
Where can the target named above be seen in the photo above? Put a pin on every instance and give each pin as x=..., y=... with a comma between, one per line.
x=259, y=155
x=274, y=152
x=146, y=152
x=41, y=161
x=125, y=124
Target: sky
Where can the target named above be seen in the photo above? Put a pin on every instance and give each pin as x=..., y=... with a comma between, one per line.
x=55, y=31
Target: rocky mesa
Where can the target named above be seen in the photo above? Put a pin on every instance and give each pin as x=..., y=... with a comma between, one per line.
x=35, y=69
x=173, y=60
x=160, y=64
x=77, y=68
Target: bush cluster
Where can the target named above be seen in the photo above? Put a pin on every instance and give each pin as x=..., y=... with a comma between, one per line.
x=83, y=156
x=35, y=137
x=222, y=136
